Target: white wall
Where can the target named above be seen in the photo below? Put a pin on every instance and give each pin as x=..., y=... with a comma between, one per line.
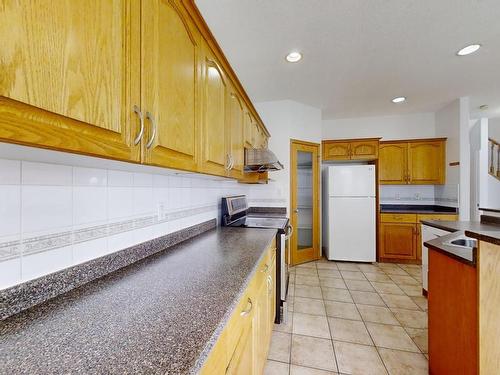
x=492, y=183
x=420, y=125
x=286, y=120
x=448, y=125
x=58, y=209
x=494, y=128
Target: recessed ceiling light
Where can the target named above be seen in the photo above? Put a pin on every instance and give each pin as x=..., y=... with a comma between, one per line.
x=293, y=57
x=399, y=99
x=468, y=50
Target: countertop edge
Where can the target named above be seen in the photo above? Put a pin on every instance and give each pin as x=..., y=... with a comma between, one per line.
x=212, y=341
x=434, y=224
x=483, y=237
x=458, y=258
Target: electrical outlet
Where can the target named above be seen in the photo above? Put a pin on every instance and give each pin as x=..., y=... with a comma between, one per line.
x=162, y=212
x=398, y=197
x=417, y=196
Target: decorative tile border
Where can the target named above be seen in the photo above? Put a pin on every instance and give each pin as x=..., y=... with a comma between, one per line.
x=32, y=245
x=23, y=296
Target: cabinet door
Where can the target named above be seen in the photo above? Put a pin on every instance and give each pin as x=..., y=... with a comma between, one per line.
x=235, y=132
x=242, y=361
x=214, y=87
x=364, y=150
x=426, y=162
x=70, y=75
x=249, y=129
x=170, y=76
x=262, y=327
x=398, y=241
x=336, y=151
x=392, y=163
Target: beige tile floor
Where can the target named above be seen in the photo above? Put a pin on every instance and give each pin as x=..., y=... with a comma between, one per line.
x=352, y=318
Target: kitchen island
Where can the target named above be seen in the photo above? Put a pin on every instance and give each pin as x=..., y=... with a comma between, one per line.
x=464, y=301
x=161, y=315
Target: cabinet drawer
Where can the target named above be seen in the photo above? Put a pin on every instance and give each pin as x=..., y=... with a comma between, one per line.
x=398, y=218
x=446, y=217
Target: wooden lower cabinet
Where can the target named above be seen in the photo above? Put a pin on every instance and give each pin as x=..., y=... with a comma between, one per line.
x=453, y=316
x=398, y=241
x=244, y=343
x=400, y=236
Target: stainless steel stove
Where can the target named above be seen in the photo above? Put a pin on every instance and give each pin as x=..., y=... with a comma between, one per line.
x=235, y=214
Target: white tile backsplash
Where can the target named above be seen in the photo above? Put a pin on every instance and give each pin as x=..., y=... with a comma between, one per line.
x=120, y=202
x=10, y=172
x=10, y=272
x=89, y=205
x=143, y=179
x=43, y=263
x=46, y=174
x=120, y=178
x=89, y=177
x=84, y=213
x=46, y=208
x=10, y=211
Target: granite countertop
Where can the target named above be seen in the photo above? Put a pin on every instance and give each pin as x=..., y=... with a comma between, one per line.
x=161, y=315
x=416, y=209
x=454, y=226
x=486, y=235
x=480, y=231
x=463, y=254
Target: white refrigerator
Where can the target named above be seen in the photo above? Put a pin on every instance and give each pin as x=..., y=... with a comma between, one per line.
x=349, y=213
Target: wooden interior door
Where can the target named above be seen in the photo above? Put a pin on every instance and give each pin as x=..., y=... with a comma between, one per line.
x=304, y=204
x=70, y=75
x=235, y=132
x=170, y=81
x=426, y=162
x=393, y=163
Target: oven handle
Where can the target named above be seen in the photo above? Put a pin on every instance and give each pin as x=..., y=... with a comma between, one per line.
x=288, y=232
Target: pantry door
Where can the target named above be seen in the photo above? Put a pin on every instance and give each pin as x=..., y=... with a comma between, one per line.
x=304, y=202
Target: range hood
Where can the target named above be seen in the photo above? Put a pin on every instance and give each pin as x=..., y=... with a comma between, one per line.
x=261, y=160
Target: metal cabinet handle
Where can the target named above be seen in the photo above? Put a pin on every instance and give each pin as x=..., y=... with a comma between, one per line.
x=269, y=284
x=228, y=162
x=150, y=117
x=141, y=120
x=247, y=311
x=289, y=232
x=232, y=161
x=265, y=269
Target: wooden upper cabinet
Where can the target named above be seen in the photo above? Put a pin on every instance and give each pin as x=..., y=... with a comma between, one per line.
x=69, y=76
x=170, y=81
x=235, y=132
x=426, y=162
x=351, y=149
x=364, y=150
x=336, y=150
x=249, y=129
x=215, y=157
x=393, y=163
x=417, y=162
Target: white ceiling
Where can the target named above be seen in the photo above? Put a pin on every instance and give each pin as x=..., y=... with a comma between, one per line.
x=359, y=54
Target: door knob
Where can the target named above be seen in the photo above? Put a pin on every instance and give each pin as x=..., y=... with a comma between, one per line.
x=296, y=210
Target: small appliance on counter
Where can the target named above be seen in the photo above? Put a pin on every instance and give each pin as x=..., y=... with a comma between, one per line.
x=235, y=214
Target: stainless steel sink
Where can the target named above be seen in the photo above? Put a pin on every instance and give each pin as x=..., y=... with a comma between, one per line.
x=463, y=242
